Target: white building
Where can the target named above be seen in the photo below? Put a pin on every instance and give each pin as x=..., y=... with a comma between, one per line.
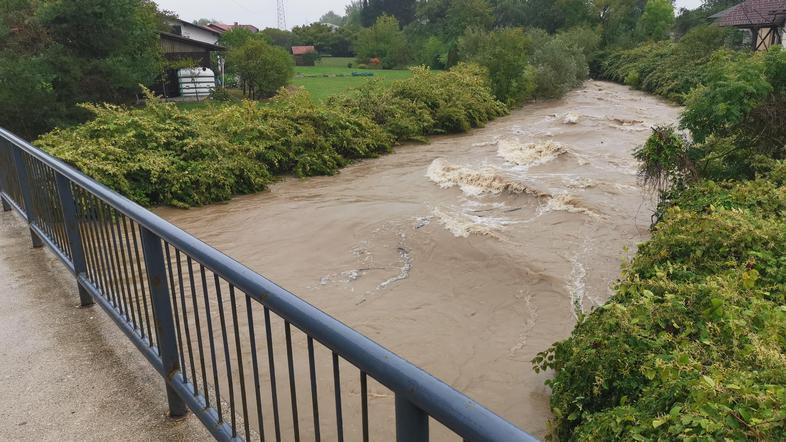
x=194, y=32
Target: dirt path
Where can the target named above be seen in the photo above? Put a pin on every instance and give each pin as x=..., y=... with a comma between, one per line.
x=471, y=254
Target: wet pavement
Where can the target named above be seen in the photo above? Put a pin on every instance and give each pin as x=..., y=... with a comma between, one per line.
x=68, y=373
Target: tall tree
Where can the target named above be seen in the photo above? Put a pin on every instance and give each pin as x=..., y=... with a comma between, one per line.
x=332, y=18
x=656, y=21
x=384, y=41
x=402, y=10
x=70, y=51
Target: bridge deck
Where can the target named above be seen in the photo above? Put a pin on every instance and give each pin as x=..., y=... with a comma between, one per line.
x=68, y=373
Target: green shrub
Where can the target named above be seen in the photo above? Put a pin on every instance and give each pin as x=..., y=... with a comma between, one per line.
x=427, y=103
x=157, y=155
x=664, y=68
x=161, y=154
x=221, y=94
x=692, y=344
x=559, y=63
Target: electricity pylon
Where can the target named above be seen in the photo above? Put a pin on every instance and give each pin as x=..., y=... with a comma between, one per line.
x=282, y=17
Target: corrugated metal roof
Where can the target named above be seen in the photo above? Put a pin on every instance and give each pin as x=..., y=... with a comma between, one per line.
x=191, y=42
x=755, y=13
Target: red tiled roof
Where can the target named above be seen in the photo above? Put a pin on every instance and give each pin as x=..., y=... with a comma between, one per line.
x=755, y=13
x=302, y=50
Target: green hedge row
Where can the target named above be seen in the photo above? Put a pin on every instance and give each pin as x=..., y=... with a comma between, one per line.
x=161, y=154
x=665, y=68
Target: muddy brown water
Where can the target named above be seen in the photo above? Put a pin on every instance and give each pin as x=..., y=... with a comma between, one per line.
x=468, y=255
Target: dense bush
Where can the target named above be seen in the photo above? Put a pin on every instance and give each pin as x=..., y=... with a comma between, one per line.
x=560, y=62
x=669, y=69
x=533, y=64
x=161, y=154
x=691, y=346
x=735, y=119
x=428, y=103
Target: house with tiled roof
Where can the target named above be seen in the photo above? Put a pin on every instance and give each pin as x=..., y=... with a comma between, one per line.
x=765, y=19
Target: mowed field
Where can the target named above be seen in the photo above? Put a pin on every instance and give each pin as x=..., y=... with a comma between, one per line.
x=332, y=75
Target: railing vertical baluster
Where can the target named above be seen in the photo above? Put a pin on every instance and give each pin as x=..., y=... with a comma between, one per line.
x=236, y=328
x=364, y=404
x=162, y=314
x=6, y=206
x=314, y=399
x=255, y=366
x=24, y=187
x=272, y=364
x=411, y=422
x=227, y=360
x=337, y=388
x=68, y=204
x=292, y=385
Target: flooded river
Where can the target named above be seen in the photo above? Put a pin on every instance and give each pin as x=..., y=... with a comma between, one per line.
x=469, y=255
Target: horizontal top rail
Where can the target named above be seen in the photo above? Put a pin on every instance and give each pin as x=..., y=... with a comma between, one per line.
x=445, y=404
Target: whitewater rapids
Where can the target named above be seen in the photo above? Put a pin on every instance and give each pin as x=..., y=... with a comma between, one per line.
x=466, y=256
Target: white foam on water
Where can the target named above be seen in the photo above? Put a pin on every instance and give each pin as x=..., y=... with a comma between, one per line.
x=576, y=182
x=462, y=225
x=475, y=182
x=406, y=267
x=577, y=285
x=570, y=118
x=529, y=154
x=564, y=202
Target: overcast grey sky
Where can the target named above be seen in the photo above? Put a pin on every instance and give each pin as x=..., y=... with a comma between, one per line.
x=262, y=13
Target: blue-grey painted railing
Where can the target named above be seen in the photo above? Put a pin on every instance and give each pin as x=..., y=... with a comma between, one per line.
x=190, y=310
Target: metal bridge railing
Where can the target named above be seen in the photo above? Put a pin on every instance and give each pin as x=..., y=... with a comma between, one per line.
x=251, y=360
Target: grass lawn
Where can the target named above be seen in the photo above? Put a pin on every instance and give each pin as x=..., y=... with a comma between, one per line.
x=328, y=82
x=329, y=77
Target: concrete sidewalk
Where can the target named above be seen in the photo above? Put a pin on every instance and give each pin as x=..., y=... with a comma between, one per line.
x=68, y=373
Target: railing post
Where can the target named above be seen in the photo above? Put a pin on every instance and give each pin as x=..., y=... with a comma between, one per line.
x=162, y=313
x=71, y=221
x=3, y=187
x=24, y=187
x=411, y=422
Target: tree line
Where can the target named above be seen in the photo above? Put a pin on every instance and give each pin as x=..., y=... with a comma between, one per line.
x=55, y=54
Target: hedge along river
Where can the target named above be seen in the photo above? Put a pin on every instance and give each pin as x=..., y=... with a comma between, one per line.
x=466, y=256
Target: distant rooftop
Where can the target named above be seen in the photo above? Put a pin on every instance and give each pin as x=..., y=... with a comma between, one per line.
x=762, y=13
x=223, y=27
x=302, y=50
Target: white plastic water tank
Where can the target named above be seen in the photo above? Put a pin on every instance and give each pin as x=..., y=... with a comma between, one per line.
x=196, y=82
